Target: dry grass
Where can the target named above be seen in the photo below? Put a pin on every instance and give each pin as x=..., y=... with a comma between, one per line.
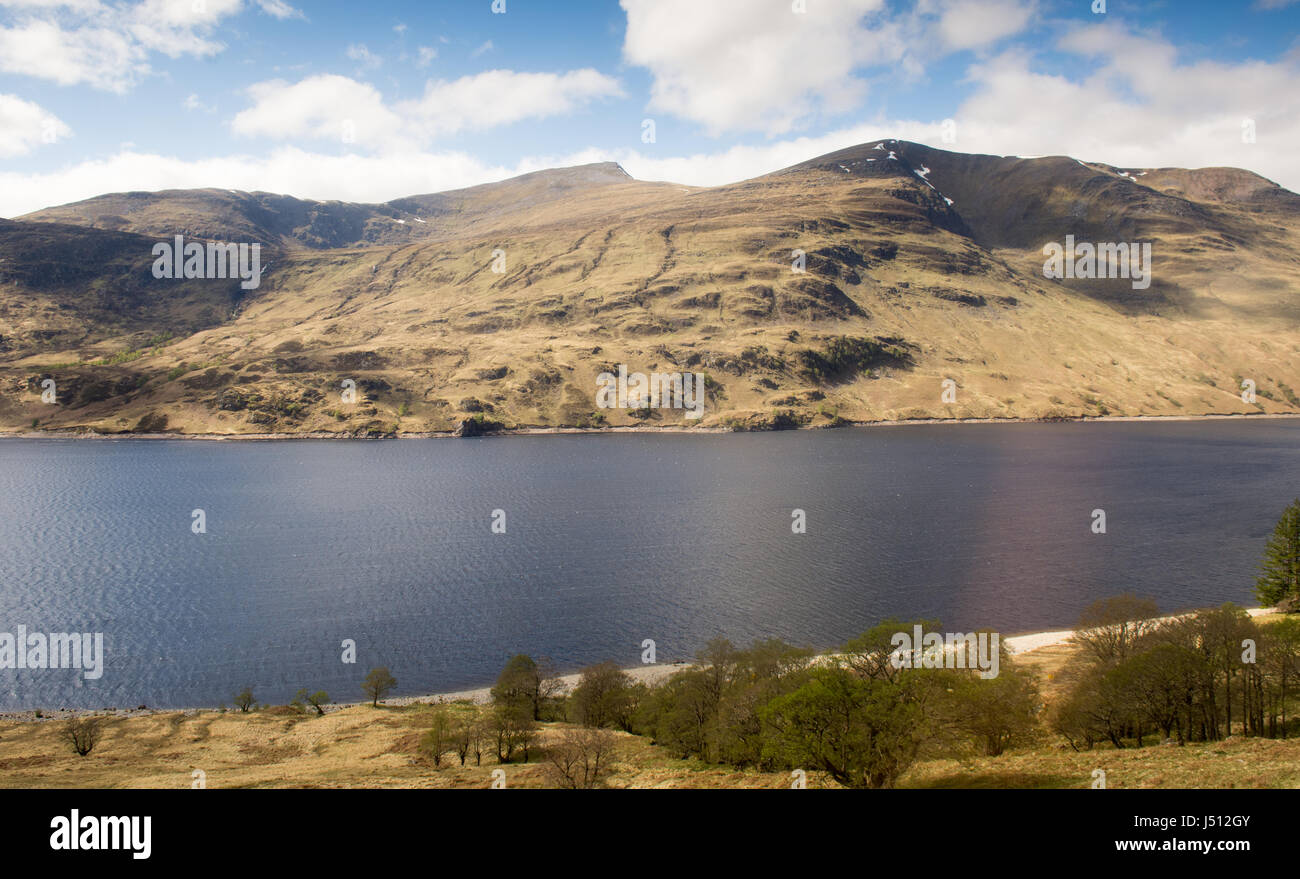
x=667, y=278
x=360, y=746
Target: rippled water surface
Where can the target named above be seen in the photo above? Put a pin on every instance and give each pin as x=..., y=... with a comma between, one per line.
x=610, y=540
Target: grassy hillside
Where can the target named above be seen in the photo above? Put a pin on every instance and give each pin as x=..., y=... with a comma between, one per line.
x=361, y=746
x=935, y=256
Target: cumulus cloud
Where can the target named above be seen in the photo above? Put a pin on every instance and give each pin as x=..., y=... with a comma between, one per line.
x=24, y=126
x=762, y=65
x=756, y=64
x=105, y=46
x=336, y=107
x=500, y=97
x=973, y=24
x=327, y=106
x=1137, y=105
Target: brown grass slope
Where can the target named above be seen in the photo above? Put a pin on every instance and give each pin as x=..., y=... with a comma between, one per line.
x=360, y=746
x=920, y=268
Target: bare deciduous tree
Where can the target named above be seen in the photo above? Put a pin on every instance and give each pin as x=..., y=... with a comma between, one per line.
x=83, y=733
x=583, y=758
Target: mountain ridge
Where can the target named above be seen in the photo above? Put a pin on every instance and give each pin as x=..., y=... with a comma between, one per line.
x=500, y=303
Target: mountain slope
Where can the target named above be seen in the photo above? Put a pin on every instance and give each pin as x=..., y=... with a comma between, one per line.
x=922, y=266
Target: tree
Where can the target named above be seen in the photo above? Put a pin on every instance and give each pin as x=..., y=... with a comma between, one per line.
x=315, y=700
x=604, y=696
x=525, y=681
x=1156, y=685
x=1096, y=708
x=437, y=741
x=863, y=733
x=244, y=701
x=1280, y=578
x=514, y=728
x=869, y=654
x=763, y=671
x=998, y=712
x=378, y=684
x=679, y=712
x=463, y=731
x=1280, y=662
x=582, y=758
x=476, y=732
x=83, y=733
x=1110, y=628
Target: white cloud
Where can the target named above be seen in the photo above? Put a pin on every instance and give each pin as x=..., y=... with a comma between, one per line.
x=192, y=103
x=106, y=46
x=427, y=54
x=361, y=54
x=486, y=47
x=279, y=9
x=1133, y=102
x=24, y=126
x=287, y=170
x=500, y=97
x=326, y=106
x=757, y=64
x=972, y=24
x=1138, y=106
x=178, y=27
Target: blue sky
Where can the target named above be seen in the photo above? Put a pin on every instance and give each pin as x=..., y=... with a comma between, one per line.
x=378, y=100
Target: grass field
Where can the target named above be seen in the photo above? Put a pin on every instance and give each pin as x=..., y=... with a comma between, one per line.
x=361, y=746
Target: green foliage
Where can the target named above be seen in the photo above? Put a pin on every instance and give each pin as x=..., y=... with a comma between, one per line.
x=995, y=714
x=245, y=700
x=438, y=740
x=378, y=684
x=605, y=696
x=1192, y=678
x=529, y=686
x=864, y=733
x=845, y=357
x=1280, y=578
x=515, y=730
x=479, y=425
x=303, y=698
x=119, y=358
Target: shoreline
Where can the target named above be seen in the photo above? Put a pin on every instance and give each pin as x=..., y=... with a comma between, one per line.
x=1017, y=645
x=78, y=434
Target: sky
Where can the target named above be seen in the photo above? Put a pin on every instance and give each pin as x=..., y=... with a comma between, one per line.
x=377, y=100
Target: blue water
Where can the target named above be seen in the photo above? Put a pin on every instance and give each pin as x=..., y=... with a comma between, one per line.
x=609, y=540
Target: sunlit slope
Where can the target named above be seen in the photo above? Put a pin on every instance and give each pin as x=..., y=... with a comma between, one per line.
x=920, y=265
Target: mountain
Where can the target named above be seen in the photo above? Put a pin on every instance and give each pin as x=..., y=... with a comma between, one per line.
x=921, y=266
